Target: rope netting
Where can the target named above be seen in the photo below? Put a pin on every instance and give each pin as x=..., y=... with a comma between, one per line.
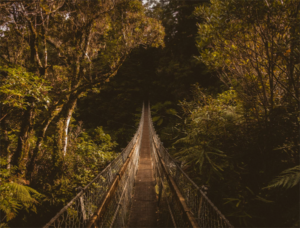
x=172, y=183
x=84, y=207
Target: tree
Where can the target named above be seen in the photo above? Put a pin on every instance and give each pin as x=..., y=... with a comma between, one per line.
x=75, y=46
x=254, y=49
x=53, y=53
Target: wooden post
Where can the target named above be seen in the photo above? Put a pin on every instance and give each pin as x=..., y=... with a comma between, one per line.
x=82, y=208
x=177, y=175
x=123, y=159
x=200, y=206
x=110, y=175
x=79, y=189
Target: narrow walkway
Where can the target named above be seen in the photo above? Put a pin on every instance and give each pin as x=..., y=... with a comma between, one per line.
x=143, y=209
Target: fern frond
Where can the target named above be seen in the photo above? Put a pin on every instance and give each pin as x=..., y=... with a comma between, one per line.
x=287, y=179
x=15, y=196
x=4, y=225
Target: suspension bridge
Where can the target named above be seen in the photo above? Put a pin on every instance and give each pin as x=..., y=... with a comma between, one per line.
x=143, y=187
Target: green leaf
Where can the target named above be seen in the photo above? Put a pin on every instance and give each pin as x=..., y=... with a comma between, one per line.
x=287, y=179
x=156, y=118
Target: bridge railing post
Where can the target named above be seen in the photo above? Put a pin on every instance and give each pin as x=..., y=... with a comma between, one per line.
x=81, y=200
x=178, y=172
x=123, y=159
x=200, y=207
x=110, y=176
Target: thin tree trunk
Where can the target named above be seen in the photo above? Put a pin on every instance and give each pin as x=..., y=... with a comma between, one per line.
x=66, y=118
x=61, y=139
x=62, y=128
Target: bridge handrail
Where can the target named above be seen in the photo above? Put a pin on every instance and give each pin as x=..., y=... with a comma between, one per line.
x=114, y=210
x=202, y=209
x=82, y=207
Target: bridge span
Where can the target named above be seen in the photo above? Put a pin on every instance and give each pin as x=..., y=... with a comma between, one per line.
x=143, y=187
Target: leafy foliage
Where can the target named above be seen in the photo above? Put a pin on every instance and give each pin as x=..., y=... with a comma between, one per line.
x=53, y=53
x=287, y=178
x=234, y=135
x=14, y=194
x=250, y=129
x=210, y=121
x=17, y=85
x=161, y=111
x=87, y=155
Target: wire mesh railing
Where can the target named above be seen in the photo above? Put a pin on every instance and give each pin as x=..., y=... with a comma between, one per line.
x=196, y=210
x=83, y=207
x=106, y=200
x=116, y=214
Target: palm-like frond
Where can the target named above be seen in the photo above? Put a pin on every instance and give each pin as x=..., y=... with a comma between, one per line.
x=287, y=179
x=15, y=196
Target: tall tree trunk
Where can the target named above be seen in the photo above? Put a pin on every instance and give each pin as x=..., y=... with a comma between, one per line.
x=18, y=156
x=5, y=143
x=40, y=138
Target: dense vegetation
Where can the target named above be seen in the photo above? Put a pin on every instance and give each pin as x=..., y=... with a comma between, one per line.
x=52, y=54
x=222, y=78
x=239, y=140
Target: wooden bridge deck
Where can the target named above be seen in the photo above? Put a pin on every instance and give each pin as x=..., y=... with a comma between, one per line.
x=144, y=206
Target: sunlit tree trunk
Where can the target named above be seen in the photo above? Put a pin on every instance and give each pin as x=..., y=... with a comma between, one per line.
x=67, y=118
x=61, y=136
x=64, y=124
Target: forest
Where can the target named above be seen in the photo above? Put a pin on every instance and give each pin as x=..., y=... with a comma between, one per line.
x=221, y=76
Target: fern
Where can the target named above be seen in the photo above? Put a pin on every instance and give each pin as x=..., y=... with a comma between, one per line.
x=15, y=196
x=4, y=225
x=287, y=179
